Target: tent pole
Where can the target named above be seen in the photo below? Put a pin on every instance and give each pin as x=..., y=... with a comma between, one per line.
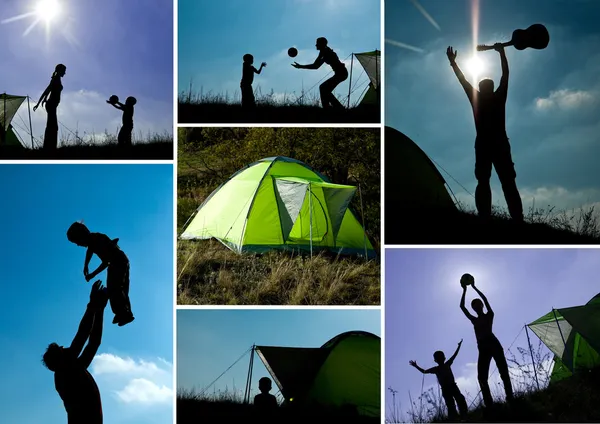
x=249, y=379
x=30, y=126
x=4, y=113
x=532, y=358
x=559, y=330
x=310, y=217
x=362, y=212
x=377, y=76
x=350, y=83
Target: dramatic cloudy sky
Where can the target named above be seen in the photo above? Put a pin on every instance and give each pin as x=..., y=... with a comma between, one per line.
x=210, y=53
x=109, y=47
x=422, y=314
x=553, y=109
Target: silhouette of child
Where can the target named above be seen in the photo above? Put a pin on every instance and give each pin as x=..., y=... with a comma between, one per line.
x=124, y=137
x=265, y=402
x=113, y=258
x=488, y=345
x=450, y=391
x=248, y=71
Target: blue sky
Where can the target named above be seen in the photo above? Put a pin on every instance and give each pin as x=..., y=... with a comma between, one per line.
x=109, y=47
x=209, y=341
x=422, y=299
x=213, y=37
x=42, y=275
x=553, y=108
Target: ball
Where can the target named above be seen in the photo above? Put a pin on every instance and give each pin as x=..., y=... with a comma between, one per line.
x=113, y=99
x=292, y=52
x=466, y=280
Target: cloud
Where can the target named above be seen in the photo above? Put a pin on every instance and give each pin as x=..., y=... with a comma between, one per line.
x=566, y=100
x=135, y=381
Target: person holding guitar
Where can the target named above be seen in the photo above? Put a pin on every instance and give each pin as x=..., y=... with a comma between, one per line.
x=491, y=144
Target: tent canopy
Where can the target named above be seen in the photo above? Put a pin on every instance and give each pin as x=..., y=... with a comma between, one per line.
x=573, y=335
x=344, y=371
x=371, y=63
x=280, y=203
x=412, y=182
x=9, y=105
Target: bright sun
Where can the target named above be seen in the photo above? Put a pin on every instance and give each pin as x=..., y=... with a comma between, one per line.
x=475, y=66
x=47, y=9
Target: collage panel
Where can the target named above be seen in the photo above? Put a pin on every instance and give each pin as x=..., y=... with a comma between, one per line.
x=87, y=80
x=278, y=216
x=492, y=122
x=274, y=61
x=492, y=335
x=81, y=340
x=279, y=365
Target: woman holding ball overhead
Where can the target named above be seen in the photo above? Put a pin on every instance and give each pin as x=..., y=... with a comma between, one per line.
x=488, y=344
x=328, y=56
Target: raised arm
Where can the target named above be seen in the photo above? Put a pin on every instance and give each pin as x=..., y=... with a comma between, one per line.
x=415, y=365
x=453, y=357
x=485, y=301
x=469, y=90
x=463, y=307
x=100, y=301
x=85, y=326
x=320, y=60
x=116, y=105
x=257, y=71
x=505, y=72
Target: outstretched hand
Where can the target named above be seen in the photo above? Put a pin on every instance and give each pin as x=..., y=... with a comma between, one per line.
x=498, y=47
x=296, y=65
x=460, y=343
x=264, y=64
x=98, y=295
x=412, y=363
x=451, y=53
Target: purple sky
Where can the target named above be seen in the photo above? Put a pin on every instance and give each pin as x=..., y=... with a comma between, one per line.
x=422, y=296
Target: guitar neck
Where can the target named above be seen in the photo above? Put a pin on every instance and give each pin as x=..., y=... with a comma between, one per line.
x=482, y=48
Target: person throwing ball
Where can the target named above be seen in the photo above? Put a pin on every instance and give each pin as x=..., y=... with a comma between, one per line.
x=488, y=344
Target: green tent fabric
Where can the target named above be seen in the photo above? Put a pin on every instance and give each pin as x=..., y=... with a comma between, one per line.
x=573, y=335
x=344, y=371
x=412, y=182
x=280, y=203
x=9, y=105
x=371, y=63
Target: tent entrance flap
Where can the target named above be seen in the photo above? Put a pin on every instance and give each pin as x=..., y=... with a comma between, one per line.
x=290, y=198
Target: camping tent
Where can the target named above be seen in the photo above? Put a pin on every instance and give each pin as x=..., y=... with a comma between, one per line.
x=280, y=203
x=9, y=105
x=573, y=335
x=412, y=182
x=344, y=371
x=371, y=63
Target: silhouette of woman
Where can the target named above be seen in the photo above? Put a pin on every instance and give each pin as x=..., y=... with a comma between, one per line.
x=340, y=73
x=488, y=345
x=53, y=90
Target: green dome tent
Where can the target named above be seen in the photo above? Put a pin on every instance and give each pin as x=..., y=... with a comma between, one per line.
x=573, y=335
x=280, y=203
x=412, y=182
x=344, y=371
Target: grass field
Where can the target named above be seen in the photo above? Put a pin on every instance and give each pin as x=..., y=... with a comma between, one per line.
x=209, y=273
x=152, y=147
x=210, y=108
x=541, y=226
x=229, y=407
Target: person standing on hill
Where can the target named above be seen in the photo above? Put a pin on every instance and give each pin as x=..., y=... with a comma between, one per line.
x=248, y=71
x=492, y=146
x=53, y=90
x=340, y=73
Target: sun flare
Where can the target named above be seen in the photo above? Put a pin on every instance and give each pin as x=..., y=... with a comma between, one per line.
x=47, y=10
x=475, y=66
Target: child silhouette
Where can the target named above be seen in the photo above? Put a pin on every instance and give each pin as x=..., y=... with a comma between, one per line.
x=450, y=391
x=265, y=402
x=124, y=137
x=248, y=71
x=113, y=258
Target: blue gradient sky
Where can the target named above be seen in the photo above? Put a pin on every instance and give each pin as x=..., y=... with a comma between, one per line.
x=42, y=279
x=109, y=47
x=553, y=109
x=213, y=37
x=209, y=341
x=422, y=299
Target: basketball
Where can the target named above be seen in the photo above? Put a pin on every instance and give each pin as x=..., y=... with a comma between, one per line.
x=292, y=52
x=466, y=280
x=113, y=99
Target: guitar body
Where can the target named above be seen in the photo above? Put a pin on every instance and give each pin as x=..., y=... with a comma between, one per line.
x=534, y=37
